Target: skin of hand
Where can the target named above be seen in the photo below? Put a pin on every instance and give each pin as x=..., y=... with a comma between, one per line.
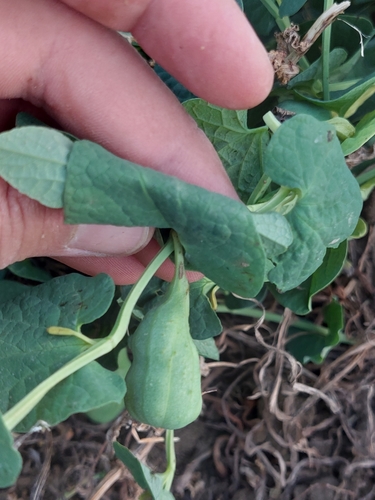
x=63, y=60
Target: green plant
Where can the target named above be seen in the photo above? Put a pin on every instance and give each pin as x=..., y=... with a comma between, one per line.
x=163, y=382
x=300, y=205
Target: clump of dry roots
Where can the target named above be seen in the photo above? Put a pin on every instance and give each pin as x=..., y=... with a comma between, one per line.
x=303, y=430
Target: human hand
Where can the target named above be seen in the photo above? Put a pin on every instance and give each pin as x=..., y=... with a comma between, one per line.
x=92, y=82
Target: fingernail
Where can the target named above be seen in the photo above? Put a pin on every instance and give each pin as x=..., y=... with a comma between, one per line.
x=92, y=239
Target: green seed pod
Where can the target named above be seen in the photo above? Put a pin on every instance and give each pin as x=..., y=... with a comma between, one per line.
x=163, y=382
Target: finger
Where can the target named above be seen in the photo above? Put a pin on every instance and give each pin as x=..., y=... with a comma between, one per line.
x=96, y=85
x=208, y=46
x=128, y=269
x=28, y=229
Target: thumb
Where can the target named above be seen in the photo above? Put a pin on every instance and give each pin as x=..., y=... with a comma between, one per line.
x=28, y=229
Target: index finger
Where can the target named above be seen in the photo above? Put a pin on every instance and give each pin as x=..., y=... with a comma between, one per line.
x=208, y=46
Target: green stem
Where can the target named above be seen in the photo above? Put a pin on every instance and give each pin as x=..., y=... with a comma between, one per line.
x=271, y=121
x=260, y=189
x=337, y=86
x=301, y=324
x=19, y=411
x=171, y=459
x=273, y=9
x=326, y=44
x=366, y=176
x=283, y=201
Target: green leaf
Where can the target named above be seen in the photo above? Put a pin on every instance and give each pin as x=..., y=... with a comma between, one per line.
x=364, y=130
x=331, y=267
x=33, y=161
x=203, y=320
x=367, y=188
x=10, y=458
x=344, y=33
x=291, y=7
x=308, y=346
x=89, y=388
x=240, y=149
x=26, y=120
x=357, y=67
x=28, y=270
x=262, y=21
x=343, y=127
x=305, y=155
x=361, y=228
x=110, y=411
x=207, y=348
x=299, y=299
x=145, y=478
x=307, y=79
x=28, y=354
x=218, y=233
x=347, y=104
x=10, y=289
x=275, y=232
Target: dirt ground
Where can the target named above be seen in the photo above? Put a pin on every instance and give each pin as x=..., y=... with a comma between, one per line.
x=270, y=428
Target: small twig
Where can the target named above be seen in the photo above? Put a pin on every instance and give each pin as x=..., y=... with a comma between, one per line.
x=108, y=481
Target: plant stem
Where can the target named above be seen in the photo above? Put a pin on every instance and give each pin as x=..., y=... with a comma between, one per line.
x=171, y=459
x=271, y=121
x=260, y=189
x=283, y=201
x=19, y=411
x=326, y=44
x=366, y=176
x=301, y=324
x=273, y=9
x=359, y=169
